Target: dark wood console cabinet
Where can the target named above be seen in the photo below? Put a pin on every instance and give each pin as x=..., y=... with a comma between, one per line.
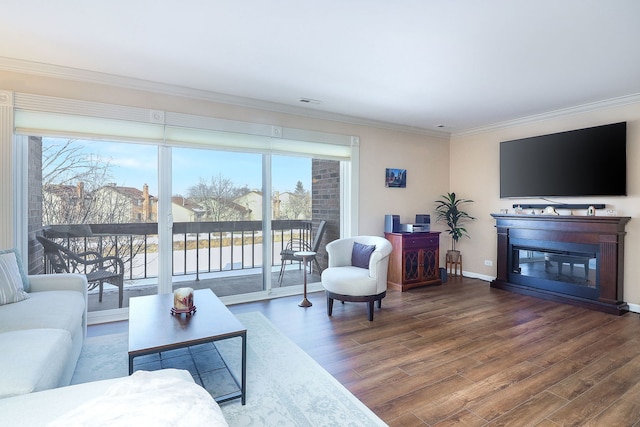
x=592, y=245
x=414, y=261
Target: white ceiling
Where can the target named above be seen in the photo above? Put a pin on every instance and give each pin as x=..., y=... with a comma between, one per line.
x=463, y=64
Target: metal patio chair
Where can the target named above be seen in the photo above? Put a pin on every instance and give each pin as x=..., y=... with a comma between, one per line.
x=297, y=245
x=98, y=269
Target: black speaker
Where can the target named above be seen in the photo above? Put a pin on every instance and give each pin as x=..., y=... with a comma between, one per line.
x=423, y=219
x=392, y=223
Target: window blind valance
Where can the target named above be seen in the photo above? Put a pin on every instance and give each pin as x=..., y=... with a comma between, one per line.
x=50, y=116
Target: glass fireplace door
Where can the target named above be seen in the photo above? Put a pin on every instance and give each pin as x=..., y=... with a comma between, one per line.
x=570, y=269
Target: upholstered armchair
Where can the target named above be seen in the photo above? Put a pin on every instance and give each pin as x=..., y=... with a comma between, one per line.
x=357, y=271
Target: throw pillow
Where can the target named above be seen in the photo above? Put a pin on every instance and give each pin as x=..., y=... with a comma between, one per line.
x=25, y=280
x=360, y=254
x=11, y=286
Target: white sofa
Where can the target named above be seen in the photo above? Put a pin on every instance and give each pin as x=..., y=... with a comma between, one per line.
x=41, y=337
x=168, y=397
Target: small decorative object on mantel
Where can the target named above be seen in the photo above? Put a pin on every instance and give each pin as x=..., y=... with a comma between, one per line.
x=591, y=211
x=183, y=301
x=550, y=210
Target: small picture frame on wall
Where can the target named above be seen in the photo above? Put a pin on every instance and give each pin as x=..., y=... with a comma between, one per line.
x=396, y=178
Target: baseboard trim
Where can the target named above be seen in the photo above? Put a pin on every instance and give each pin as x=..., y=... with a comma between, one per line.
x=473, y=275
x=634, y=308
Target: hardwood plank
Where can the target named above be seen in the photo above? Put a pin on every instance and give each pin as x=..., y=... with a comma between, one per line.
x=531, y=412
x=620, y=414
x=519, y=392
x=599, y=397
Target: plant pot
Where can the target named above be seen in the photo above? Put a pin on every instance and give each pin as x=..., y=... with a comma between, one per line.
x=453, y=256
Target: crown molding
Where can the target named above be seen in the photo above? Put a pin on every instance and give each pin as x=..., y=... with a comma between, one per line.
x=563, y=112
x=86, y=76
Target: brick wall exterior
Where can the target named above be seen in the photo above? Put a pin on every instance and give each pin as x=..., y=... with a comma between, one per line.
x=325, y=202
x=35, y=258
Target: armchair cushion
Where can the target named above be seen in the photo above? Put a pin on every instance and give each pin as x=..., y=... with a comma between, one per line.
x=361, y=254
x=12, y=278
x=349, y=280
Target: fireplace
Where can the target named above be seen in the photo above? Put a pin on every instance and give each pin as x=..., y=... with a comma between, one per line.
x=573, y=259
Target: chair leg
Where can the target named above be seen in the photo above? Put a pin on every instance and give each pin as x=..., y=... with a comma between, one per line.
x=380, y=303
x=120, y=293
x=370, y=310
x=100, y=292
x=281, y=275
x=329, y=306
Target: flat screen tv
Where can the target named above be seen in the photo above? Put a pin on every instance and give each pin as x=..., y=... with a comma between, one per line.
x=583, y=162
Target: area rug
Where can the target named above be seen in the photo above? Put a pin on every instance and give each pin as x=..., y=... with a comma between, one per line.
x=285, y=386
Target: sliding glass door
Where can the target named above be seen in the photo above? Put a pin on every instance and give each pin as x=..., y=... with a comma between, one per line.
x=217, y=213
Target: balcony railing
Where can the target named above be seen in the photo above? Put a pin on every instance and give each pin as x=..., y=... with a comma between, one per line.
x=198, y=247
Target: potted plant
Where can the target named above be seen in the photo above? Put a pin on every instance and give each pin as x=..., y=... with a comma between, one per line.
x=449, y=212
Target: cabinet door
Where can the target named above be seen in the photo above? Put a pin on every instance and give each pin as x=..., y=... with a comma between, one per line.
x=430, y=264
x=411, y=268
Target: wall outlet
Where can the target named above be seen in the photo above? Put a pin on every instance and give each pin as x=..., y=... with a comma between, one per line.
x=488, y=262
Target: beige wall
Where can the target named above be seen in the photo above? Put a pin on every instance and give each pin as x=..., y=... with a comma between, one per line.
x=475, y=175
x=427, y=164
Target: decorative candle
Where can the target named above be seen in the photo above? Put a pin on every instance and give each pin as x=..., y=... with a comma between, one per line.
x=183, y=299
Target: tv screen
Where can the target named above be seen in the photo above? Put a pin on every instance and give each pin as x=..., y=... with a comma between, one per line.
x=584, y=162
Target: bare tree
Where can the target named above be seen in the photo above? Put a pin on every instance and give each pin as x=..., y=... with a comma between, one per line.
x=216, y=197
x=77, y=189
x=69, y=178
x=299, y=204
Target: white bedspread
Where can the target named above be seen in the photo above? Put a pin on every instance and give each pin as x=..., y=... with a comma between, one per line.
x=154, y=398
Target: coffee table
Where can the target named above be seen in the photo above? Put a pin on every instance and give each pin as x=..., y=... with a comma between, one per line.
x=153, y=329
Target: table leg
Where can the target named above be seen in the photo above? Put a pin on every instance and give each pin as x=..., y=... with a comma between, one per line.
x=244, y=368
x=305, y=302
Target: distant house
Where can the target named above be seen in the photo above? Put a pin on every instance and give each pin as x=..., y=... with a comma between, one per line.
x=186, y=210
x=252, y=202
x=68, y=204
x=63, y=204
x=127, y=204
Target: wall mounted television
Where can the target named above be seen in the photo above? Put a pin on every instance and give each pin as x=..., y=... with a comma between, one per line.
x=583, y=162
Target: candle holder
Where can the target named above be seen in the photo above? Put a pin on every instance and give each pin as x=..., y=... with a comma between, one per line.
x=183, y=302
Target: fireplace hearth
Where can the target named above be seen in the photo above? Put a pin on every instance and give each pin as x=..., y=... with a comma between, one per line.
x=577, y=260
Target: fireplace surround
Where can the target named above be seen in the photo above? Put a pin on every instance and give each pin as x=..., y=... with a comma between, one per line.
x=577, y=260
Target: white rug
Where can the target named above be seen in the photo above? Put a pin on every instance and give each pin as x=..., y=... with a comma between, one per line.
x=285, y=386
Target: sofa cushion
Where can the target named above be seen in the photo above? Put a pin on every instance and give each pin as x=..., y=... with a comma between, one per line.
x=32, y=360
x=11, y=279
x=50, y=309
x=360, y=254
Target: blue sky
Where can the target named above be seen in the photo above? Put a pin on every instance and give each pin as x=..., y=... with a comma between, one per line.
x=133, y=165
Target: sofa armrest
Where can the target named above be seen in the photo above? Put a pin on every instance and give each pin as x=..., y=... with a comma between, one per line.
x=58, y=282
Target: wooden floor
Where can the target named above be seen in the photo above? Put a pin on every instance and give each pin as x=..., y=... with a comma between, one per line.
x=466, y=354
